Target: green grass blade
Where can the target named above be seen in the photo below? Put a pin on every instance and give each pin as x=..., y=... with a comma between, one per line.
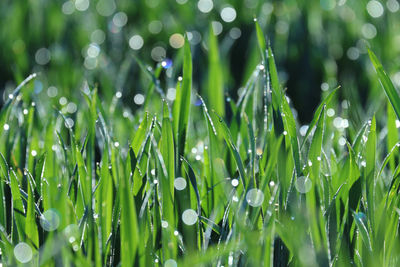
x=183, y=99
x=386, y=83
x=215, y=76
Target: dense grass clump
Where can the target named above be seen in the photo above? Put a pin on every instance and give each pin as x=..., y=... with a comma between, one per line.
x=186, y=181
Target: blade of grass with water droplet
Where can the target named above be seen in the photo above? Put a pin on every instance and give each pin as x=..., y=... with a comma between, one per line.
x=314, y=156
x=261, y=42
x=167, y=148
x=229, y=141
x=30, y=222
x=140, y=134
x=370, y=151
x=18, y=208
x=276, y=88
x=317, y=113
x=290, y=126
x=386, y=83
x=129, y=237
x=363, y=230
x=215, y=88
x=183, y=99
x=392, y=135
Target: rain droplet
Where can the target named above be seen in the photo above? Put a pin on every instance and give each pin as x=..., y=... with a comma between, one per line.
x=170, y=263
x=235, y=182
x=138, y=99
x=303, y=184
x=180, y=183
x=50, y=220
x=167, y=63
x=255, y=197
x=164, y=224
x=363, y=163
x=23, y=252
x=6, y=127
x=189, y=217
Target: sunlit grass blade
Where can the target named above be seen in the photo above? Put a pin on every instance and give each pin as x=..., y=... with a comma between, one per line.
x=229, y=141
x=370, y=163
x=386, y=83
x=183, y=99
x=317, y=113
x=215, y=87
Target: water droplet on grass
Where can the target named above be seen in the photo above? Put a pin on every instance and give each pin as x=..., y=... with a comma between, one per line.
x=166, y=63
x=23, y=252
x=189, y=217
x=303, y=184
x=170, y=263
x=164, y=224
x=50, y=220
x=180, y=183
x=255, y=197
x=235, y=182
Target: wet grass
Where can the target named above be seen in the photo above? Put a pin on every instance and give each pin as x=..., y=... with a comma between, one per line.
x=187, y=181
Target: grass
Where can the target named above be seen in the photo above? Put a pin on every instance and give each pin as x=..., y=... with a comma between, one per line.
x=219, y=181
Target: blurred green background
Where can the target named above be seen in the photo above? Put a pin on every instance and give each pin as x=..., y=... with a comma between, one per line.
x=318, y=45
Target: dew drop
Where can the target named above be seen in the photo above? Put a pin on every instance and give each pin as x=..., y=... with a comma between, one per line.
x=164, y=224
x=255, y=197
x=50, y=220
x=180, y=183
x=303, y=184
x=166, y=63
x=189, y=217
x=23, y=252
x=170, y=263
x=235, y=182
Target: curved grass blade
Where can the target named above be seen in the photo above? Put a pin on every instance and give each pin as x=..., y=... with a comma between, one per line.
x=386, y=83
x=317, y=113
x=228, y=139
